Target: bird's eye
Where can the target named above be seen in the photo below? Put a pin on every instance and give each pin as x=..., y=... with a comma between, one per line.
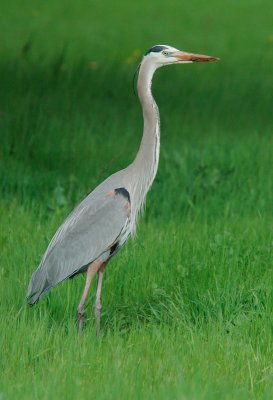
x=165, y=53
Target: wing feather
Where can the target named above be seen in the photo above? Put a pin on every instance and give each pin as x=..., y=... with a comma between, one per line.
x=87, y=234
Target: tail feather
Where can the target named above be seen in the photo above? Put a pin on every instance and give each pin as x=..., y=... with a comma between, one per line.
x=38, y=286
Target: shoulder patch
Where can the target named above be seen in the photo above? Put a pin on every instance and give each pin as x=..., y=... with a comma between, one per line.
x=123, y=192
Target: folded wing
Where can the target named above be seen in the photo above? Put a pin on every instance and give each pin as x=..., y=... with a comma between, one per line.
x=87, y=234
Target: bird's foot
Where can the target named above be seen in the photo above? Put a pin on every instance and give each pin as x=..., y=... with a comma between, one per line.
x=97, y=318
x=81, y=321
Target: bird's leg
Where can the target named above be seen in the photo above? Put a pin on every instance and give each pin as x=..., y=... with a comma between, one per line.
x=91, y=272
x=98, y=298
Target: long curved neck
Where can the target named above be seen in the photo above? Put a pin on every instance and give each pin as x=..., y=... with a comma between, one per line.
x=146, y=161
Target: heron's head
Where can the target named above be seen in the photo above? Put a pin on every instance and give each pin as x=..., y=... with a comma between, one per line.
x=162, y=55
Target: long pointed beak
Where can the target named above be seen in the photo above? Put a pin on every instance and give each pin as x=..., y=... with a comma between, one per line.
x=183, y=56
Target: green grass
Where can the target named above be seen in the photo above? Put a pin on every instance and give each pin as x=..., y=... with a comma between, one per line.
x=187, y=304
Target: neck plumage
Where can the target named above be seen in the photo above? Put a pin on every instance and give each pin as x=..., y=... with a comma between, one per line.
x=146, y=162
x=144, y=167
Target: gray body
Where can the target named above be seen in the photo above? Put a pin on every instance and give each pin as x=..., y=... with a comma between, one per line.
x=89, y=233
x=105, y=219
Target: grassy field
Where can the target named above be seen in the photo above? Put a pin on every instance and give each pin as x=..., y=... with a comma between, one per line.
x=187, y=304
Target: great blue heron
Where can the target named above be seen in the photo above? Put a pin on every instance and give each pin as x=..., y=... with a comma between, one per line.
x=101, y=224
